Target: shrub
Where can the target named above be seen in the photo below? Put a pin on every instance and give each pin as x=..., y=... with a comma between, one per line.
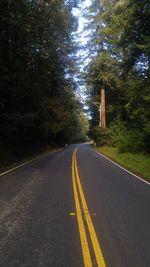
x=125, y=139
x=146, y=136
x=116, y=131
x=118, y=135
x=99, y=135
x=131, y=141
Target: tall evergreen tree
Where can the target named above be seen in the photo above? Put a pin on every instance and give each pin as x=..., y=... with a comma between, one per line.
x=120, y=36
x=36, y=97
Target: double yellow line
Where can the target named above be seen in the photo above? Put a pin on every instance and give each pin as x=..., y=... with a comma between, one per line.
x=82, y=212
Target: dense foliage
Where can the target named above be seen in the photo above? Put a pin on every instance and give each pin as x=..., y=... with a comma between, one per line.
x=37, y=101
x=121, y=60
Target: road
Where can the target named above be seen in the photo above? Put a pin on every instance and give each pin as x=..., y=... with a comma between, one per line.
x=74, y=208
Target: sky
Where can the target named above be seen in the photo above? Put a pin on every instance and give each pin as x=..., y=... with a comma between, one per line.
x=81, y=37
x=78, y=12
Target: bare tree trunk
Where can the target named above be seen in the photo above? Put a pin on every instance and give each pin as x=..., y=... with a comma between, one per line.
x=103, y=113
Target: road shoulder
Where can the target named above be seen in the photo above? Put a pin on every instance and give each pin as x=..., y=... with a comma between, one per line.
x=123, y=166
x=26, y=161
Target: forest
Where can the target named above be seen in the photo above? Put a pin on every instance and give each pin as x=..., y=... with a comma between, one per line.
x=38, y=102
x=37, y=90
x=120, y=62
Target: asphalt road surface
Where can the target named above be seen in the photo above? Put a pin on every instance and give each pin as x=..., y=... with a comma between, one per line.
x=74, y=208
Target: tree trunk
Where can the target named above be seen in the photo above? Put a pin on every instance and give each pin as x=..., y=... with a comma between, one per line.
x=103, y=113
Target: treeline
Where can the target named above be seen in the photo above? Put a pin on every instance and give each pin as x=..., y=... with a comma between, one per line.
x=120, y=47
x=37, y=100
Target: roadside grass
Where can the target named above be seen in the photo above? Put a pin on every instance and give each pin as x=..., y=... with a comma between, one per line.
x=137, y=163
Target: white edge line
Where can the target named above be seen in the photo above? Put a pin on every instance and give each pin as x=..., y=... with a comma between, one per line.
x=18, y=166
x=122, y=167
x=27, y=162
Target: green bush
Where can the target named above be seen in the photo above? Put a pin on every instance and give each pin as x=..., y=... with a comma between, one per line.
x=116, y=131
x=99, y=135
x=131, y=141
x=146, y=136
x=127, y=140
x=118, y=135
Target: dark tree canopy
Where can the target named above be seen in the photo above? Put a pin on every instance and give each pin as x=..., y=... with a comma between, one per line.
x=121, y=41
x=37, y=99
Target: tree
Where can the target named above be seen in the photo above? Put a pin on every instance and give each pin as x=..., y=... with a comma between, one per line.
x=36, y=97
x=120, y=37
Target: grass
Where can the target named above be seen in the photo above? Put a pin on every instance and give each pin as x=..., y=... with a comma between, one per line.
x=137, y=163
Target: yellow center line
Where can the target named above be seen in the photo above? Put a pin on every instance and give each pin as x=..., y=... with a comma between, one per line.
x=92, y=233
x=83, y=238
